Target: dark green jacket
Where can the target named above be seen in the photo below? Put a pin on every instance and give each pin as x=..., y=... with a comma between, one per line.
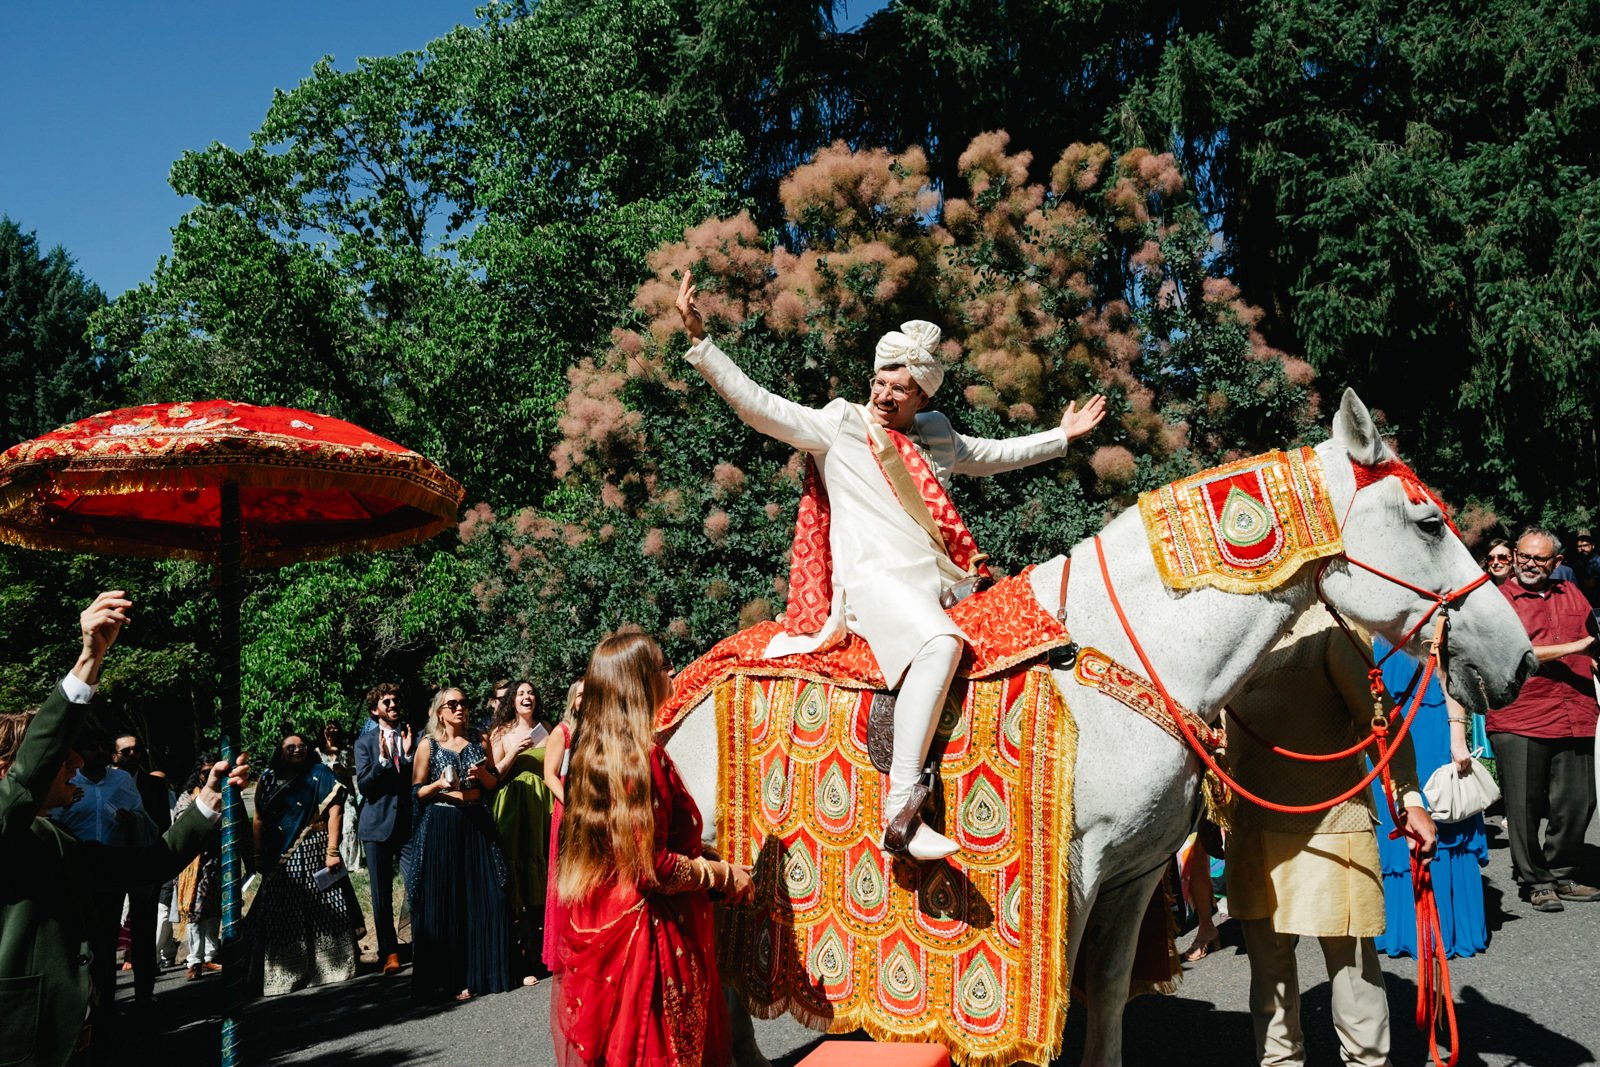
x=46, y=876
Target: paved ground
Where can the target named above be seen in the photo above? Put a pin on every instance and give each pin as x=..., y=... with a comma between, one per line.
x=1531, y=999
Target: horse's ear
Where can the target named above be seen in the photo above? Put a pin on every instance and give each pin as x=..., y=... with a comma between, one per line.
x=1353, y=427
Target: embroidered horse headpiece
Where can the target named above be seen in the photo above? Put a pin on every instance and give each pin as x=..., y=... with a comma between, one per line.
x=1244, y=527
x=1417, y=490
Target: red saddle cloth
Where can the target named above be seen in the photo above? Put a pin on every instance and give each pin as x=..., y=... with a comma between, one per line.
x=1004, y=624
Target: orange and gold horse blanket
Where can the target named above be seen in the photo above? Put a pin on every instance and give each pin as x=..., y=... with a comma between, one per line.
x=970, y=952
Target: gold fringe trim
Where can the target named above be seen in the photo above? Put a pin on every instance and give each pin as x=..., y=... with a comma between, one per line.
x=1217, y=799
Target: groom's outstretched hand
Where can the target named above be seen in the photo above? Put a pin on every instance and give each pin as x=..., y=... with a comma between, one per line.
x=689, y=311
x=1076, y=421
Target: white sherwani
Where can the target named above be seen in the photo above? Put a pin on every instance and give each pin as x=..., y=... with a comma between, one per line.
x=887, y=571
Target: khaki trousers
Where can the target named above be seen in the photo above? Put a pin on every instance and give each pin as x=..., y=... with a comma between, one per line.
x=1360, y=1005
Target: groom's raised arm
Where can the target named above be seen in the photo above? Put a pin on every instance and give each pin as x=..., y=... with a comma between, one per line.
x=807, y=429
x=987, y=455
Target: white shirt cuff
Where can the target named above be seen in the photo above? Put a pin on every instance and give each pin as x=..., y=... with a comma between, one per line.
x=77, y=690
x=205, y=809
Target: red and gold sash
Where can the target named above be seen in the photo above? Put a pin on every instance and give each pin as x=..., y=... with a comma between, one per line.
x=811, y=559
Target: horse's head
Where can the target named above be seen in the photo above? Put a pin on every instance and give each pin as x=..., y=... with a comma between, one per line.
x=1393, y=524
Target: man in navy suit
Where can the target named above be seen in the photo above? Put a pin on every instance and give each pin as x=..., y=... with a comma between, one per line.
x=383, y=774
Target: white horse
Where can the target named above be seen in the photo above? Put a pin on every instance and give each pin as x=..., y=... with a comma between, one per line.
x=1135, y=789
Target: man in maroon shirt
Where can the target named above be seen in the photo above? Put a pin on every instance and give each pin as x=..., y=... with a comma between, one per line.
x=1544, y=740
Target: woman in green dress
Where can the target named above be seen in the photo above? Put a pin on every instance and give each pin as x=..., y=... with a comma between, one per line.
x=522, y=813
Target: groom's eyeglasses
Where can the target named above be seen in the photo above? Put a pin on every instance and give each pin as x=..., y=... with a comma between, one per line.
x=897, y=392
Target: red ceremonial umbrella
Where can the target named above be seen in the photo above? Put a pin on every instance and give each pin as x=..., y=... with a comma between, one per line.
x=232, y=484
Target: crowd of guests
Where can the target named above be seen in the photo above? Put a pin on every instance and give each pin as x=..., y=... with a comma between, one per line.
x=470, y=815
x=472, y=807
x=473, y=817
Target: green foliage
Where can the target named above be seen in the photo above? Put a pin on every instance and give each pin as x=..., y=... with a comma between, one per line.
x=1411, y=195
x=50, y=371
x=422, y=244
x=160, y=679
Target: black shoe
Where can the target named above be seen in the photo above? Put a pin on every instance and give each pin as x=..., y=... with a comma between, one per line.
x=1543, y=898
x=1570, y=890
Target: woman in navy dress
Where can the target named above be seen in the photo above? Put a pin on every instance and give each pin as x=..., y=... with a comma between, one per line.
x=459, y=884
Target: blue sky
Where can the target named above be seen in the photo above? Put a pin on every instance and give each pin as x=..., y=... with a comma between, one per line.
x=97, y=99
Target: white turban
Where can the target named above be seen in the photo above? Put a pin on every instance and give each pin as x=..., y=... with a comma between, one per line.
x=913, y=345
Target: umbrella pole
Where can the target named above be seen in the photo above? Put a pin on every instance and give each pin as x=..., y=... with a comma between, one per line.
x=235, y=966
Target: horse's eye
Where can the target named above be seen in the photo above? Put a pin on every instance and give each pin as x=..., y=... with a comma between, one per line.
x=1433, y=526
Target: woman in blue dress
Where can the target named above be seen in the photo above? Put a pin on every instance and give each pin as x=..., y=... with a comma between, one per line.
x=1463, y=850
x=459, y=888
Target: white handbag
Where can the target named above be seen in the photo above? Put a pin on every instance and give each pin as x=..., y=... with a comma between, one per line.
x=1453, y=797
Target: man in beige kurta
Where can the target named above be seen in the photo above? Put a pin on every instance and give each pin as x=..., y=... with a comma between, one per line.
x=1314, y=874
x=888, y=573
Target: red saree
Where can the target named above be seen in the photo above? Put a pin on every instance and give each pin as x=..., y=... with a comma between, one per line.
x=637, y=982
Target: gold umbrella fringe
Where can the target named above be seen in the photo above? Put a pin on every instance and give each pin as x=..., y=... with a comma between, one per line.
x=418, y=483
x=254, y=558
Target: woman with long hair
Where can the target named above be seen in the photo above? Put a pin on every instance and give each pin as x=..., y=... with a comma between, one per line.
x=460, y=912
x=556, y=748
x=522, y=812
x=637, y=981
x=307, y=933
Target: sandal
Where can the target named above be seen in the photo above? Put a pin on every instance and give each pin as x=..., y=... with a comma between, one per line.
x=1199, y=950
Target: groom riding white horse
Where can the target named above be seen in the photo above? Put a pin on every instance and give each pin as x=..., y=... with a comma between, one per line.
x=890, y=552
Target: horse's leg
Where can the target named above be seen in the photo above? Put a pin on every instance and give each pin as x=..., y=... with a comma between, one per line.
x=1113, y=928
x=746, y=1053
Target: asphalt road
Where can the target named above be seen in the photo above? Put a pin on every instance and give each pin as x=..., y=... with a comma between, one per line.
x=1532, y=999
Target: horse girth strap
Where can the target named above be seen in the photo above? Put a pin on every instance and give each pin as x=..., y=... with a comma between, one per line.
x=1098, y=671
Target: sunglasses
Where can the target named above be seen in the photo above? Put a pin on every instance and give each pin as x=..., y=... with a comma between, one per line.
x=128, y=751
x=453, y=704
x=294, y=746
x=1499, y=557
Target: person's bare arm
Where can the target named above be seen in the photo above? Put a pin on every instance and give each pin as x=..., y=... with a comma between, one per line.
x=503, y=755
x=256, y=829
x=335, y=829
x=1460, y=751
x=1582, y=647
x=554, y=749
